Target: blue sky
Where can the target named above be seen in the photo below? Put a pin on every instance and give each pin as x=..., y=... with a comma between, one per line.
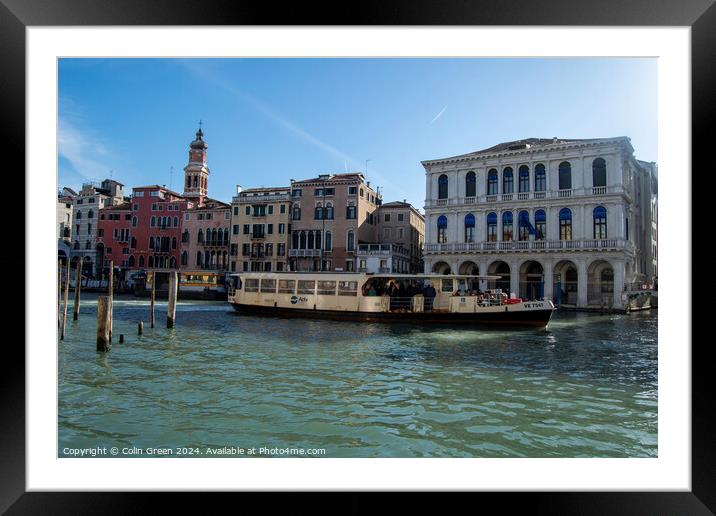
x=269, y=120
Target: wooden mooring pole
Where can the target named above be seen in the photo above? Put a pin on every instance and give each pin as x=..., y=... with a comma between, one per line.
x=172, y=303
x=78, y=282
x=103, y=309
x=151, y=304
x=111, y=296
x=140, y=328
x=66, y=296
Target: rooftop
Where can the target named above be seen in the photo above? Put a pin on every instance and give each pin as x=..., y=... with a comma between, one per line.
x=525, y=144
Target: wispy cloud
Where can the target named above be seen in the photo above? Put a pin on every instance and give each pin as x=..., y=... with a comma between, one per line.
x=281, y=120
x=438, y=115
x=86, y=153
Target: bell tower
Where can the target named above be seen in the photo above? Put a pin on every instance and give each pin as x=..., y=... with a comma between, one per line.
x=196, y=173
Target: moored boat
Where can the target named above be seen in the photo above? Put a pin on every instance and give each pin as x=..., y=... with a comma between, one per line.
x=422, y=298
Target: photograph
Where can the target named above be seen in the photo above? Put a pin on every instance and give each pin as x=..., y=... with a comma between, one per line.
x=357, y=257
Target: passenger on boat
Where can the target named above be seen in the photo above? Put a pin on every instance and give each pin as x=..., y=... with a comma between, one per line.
x=429, y=294
x=371, y=291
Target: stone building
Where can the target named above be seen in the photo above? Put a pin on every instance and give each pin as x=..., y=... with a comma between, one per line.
x=65, y=200
x=572, y=220
x=85, y=213
x=205, y=236
x=330, y=216
x=400, y=223
x=260, y=225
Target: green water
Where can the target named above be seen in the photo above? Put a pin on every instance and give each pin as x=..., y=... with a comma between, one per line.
x=585, y=387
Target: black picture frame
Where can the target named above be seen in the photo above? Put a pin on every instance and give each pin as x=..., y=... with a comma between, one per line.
x=700, y=15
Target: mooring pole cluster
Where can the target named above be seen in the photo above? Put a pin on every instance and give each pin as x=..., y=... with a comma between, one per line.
x=105, y=304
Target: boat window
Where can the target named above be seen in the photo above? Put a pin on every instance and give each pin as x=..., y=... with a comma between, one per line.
x=251, y=285
x=327, y=288
x=306, y=287
x=268, y=285
x=286, y=286
x=347, y=288
x=446, y=285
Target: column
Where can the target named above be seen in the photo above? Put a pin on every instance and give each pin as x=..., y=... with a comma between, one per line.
x=548, y=271
x=618, y=284
x=483, y=271
x=582, y=283
x=514, y=278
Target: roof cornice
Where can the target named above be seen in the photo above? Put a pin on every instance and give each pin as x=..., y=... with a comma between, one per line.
x=620, y=140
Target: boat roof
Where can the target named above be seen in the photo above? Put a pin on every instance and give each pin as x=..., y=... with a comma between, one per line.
x=367, y=275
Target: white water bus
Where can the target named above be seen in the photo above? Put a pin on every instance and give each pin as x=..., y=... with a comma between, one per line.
x=424, y=298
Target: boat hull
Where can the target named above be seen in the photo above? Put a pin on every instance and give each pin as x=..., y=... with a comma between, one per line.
x=515, y=318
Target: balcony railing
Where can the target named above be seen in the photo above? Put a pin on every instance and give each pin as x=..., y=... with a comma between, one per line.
x=304, y=252
x=529, y=245
x=526, y=196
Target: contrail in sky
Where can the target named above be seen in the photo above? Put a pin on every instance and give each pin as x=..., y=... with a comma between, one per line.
x=439, y=114
x=281, y=120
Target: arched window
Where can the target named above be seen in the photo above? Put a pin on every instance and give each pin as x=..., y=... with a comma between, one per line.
x=150, y=262
x=507, y=226
x=524, y=226
x=207, y=259
x=185, y=236
x=492, y=182
x=153, y=222
x=600, y=223
x=318, y=212
x=296, y=215
x=131, y=261
x=540, y=178
x=351, y=211
x=599, y=172
x=565, y=224
x=134, y=222
x=133, y=243
x=507, y=181
x=443, y=187
x=540, y=225
x=351, y=241
x=198, y=258
x=524, y=185
x=492, y=227
x=174, y=242
x=294, y=239
x=303, y=239
x=565, y=176
x=200, y=237
x=176, y=221
x=88, y=245
x=442, y=229
x=172, y=263
x=329, y=211
x=90, y=214
x=470, y=184
x=469, y=227
x=141, y=261
x=79, y=215
x=318, y=239
x=311, y=240
x=151, y=242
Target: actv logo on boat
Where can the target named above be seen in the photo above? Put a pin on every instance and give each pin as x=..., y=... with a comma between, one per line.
x=296, y=299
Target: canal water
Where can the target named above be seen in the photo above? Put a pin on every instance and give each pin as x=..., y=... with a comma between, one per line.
x=585, y=387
